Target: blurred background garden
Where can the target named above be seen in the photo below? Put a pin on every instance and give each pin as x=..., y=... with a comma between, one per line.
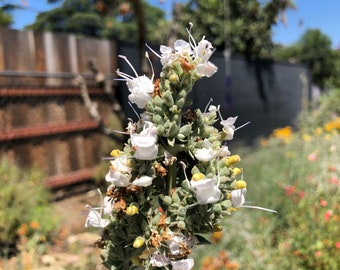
x=54, y=129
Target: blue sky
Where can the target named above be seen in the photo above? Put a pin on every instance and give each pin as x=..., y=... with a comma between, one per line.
x=310, y=14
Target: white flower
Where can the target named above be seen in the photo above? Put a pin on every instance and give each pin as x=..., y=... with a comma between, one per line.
x=159, y=260
x=178, y=242
x=228, y=126
x=206, y=190
x=143, y=181
x=145, y=142
x=206, y=69
x=107, y=205
x=119, y=173
x=141, y=87
x=183, y=48
x=167, y=56
x=237, y=197
x=185, y=264
x=95, y=219
x=203, y=51
x=223, y=151
x=205, y=154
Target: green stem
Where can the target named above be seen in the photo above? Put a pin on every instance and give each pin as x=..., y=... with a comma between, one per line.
x=171, y=176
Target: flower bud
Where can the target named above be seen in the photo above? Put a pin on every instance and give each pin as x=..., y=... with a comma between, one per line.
x=157, y=119
x=139, y=242
x=236, y=171
x=181, y=213
x=217, y=228
x=182, y=94
x=168, y=99
x=185, y=130
x=186, y=185
x=173, y=129
x=226, y=204
x=174, y=78
x=240, y=184
x=217, y=208
x=115, y=153
x=197, y=176
x=132, y=209
x=232, y=160
x=180, y=102
x=167, y=200
x=158, y=101
x=181, y=225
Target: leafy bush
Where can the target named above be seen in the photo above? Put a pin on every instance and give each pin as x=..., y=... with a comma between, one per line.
x=25, y=209
x=327, y=109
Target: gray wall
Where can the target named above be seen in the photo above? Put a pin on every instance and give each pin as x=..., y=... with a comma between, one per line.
x=239, y=96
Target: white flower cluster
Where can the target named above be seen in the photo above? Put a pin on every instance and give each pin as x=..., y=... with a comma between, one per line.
x=175, y=178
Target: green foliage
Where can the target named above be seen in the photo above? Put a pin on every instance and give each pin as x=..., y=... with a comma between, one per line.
x=327, y=110
x=314, y=50
x=103, y=19
x=246, y=25
x=5, y=17
x=25, y=210
x=333, y=81
x=297, y=174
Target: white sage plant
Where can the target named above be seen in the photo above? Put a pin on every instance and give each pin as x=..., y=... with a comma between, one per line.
x=175, y=179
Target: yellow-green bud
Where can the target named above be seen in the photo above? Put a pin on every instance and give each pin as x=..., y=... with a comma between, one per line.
x=240, y=184
x=232, y=160
x=236, y=171
x=217, y=227
x=174, y=78
x=139, y=242
x=115, y=153
x=197, y=176
x=132, y=209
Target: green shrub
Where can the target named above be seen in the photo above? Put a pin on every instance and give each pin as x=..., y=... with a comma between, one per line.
x=25, y=209
x=326, y=109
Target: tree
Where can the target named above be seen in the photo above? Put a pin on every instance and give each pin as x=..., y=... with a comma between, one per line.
x=5, y=16
x=314, y=49
x=243, y=25
x=130, y=21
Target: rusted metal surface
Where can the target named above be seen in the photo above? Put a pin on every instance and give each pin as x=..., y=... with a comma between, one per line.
x=44, y=92
x=47, y=130
x=63, y=180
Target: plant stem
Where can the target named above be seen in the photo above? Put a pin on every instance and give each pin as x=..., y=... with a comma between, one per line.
x=171, y=176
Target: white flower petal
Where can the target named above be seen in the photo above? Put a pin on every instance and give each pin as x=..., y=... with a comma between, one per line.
x=143, y=181
x=205, y=154
x=238, y=197
x=206, y=70
x=206, y=191
x=94, y=219
x=185, y=264
x=159, y=260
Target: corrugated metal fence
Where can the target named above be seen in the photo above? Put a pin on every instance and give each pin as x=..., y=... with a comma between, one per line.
x=43, y=120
